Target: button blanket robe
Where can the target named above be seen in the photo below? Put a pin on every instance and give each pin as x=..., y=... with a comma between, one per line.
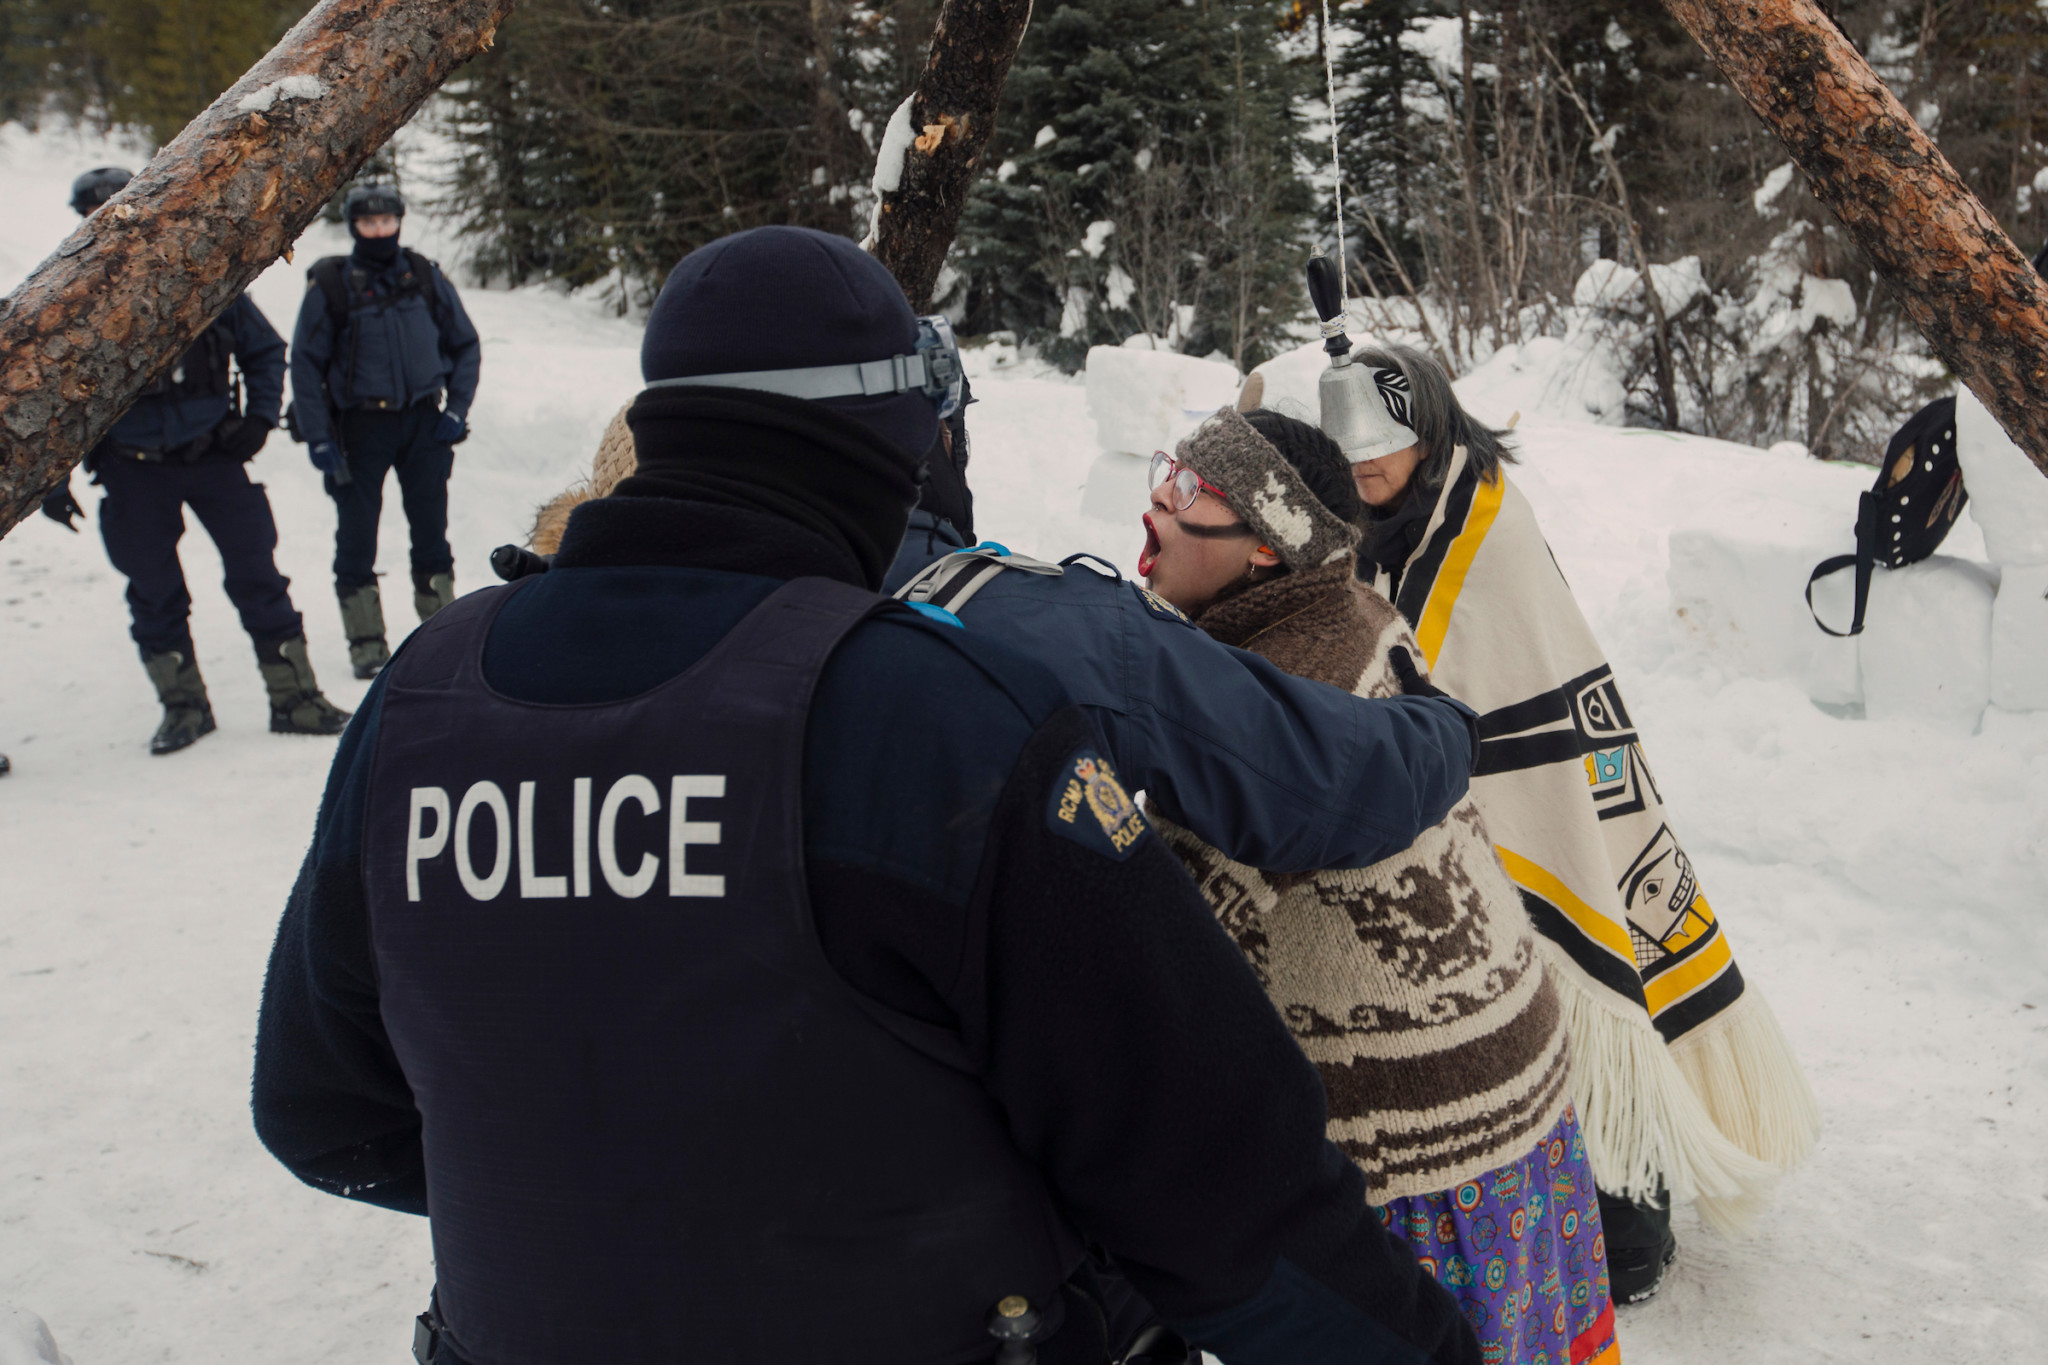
x=1681, y=1075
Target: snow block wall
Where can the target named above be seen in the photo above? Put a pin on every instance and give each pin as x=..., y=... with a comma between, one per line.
x=2009, y=500
x=1745, y=598
x=2008, y=495
x=1926, y=643
x=2019, y=637
x=1146, y=400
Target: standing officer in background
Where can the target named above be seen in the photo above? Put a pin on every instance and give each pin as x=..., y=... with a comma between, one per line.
x=843, y=1005
x=384, y=369
x=184, y=443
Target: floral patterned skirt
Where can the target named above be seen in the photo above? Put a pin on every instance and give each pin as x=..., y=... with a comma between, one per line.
x=1522, y=1251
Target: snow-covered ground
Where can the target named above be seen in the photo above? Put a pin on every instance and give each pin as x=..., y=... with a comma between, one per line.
x=1882, y=880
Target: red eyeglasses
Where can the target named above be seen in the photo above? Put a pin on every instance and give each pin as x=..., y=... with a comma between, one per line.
x=1187, y=484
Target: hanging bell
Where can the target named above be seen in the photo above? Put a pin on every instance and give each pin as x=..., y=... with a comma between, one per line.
x=1359, y=403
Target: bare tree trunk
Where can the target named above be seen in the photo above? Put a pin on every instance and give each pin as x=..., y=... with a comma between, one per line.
x=1470, y=149
x=1968, y=289
x=1660, y=325
x=149, y=271
x=955, y=112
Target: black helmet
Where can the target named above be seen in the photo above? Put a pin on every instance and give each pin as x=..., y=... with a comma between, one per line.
x=366, y=201
x=96, y=187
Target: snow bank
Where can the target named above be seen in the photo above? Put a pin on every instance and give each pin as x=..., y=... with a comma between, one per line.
x=1145, y=400
x=1292, y=378
x=1616, y=287
x=1571, y=377
x=2008, y=495
x=25, y=1340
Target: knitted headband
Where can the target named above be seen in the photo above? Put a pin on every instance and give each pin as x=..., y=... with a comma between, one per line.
x=1269, y=493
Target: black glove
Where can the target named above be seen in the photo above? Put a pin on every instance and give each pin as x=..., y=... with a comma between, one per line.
x=241, y=438
x=1413, y=684
x=59, y=506
x=514, y=562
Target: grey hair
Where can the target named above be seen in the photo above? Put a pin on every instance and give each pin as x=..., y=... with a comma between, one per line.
x=1440, y=421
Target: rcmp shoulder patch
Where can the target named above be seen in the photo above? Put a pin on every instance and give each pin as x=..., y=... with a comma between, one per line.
x=1088, y=805
x=1160, y=607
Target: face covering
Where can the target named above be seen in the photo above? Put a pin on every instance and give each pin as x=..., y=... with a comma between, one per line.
x=826, y=473
x=375, y=251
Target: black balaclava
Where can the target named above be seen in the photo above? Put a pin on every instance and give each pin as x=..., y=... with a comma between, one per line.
x=774, y=298
x=828, y=473
x=375, y=252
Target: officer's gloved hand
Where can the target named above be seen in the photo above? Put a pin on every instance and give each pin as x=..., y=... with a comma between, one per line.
x=241, y=438
x=326, y=456
x=451, y=429
x=59, y=506
x=1415, y=685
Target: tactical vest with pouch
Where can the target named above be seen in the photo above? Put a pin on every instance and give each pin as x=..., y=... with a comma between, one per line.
x=658, y=1125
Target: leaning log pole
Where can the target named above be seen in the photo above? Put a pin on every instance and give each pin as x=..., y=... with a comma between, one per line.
x=137, y=282
x=1969, y=290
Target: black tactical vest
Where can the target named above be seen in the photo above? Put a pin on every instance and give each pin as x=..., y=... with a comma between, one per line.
x=202, y=372
x=658, y=1126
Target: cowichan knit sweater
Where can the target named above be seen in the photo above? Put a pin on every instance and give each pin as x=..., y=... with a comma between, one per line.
x=1414, y=985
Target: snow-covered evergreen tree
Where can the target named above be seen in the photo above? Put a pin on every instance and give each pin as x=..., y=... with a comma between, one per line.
x=1144, y=182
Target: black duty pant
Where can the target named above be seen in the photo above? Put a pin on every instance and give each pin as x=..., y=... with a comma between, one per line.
x=403, y=443
x=142, y=520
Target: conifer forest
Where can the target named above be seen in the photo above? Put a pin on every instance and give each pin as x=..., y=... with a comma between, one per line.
x=1161, y=165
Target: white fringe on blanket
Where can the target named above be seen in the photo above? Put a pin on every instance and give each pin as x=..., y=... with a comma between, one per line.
x=1743, y=1069
x=1646, y=1126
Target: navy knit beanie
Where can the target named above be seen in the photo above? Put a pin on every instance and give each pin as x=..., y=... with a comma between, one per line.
x=780, y=298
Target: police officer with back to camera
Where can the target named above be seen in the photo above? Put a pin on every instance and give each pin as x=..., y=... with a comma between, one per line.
x=737, y=966
x=185, y=443
x=384, y=369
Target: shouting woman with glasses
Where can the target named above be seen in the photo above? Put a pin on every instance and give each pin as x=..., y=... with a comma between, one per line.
x=1415, y=985
x=1195, y=546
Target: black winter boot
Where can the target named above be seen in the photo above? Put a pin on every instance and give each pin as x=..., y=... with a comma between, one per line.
x=296, y=706
x=431, y=591
x=362, y=621
x=187, y=713
x=1640, y=1245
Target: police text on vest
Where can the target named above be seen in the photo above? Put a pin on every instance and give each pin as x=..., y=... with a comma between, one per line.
x=487, y=800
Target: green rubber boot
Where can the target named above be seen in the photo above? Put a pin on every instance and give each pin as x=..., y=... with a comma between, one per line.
x=187, y=712
x=431, y=592
x=296, y=706
x=362, y=621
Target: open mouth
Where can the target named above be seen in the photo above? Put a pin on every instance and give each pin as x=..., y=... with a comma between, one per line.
x=1148, y=556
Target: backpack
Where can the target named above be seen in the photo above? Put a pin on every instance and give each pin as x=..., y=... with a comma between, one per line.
x=943, y=586
x=1908, y=512
x=342, y=285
